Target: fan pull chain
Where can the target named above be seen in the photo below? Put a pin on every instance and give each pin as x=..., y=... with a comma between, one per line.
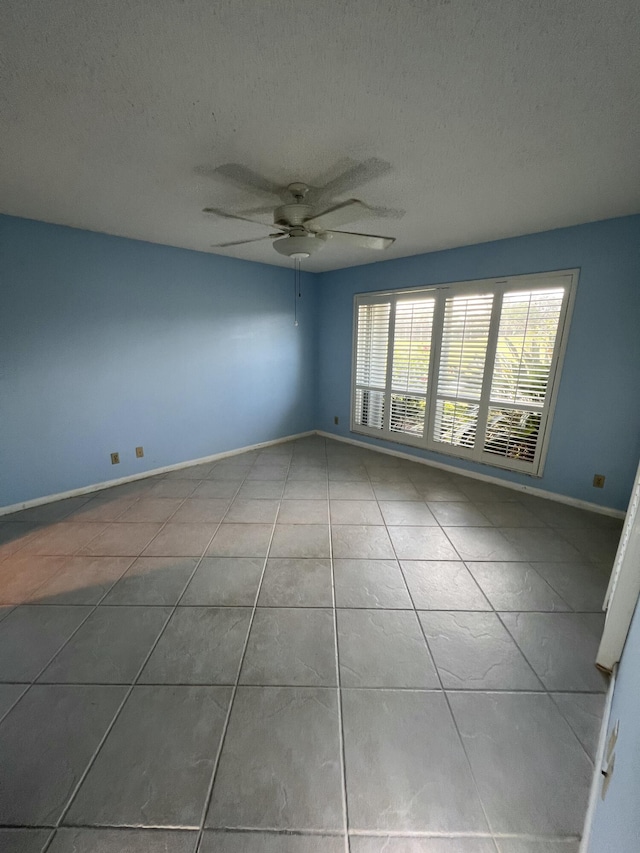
x=296, y=289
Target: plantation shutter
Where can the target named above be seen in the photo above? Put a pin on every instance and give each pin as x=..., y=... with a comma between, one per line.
x=372, y=336
x=411, y=357
x=465, y=335
x=520, y=381
x=466, y=369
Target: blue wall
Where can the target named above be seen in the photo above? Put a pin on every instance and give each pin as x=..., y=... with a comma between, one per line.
x=595, y=428
x=107, y=343
x=616, y=822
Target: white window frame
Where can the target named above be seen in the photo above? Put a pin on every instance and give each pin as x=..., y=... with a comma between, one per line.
x=498, y=287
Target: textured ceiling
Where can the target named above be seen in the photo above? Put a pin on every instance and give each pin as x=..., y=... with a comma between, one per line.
x=498, y=117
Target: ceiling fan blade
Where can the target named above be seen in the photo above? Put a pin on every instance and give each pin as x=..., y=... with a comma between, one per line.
x=246, y=179
x=355, y=176
x=364, y=241
x=349, y=211
x=387, y=212
x=258, y=211
x=225, y=215
x=242, y=242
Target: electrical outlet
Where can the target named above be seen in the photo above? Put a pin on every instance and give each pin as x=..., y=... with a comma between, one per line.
x=115, y=458
x=598, y=481
x=139, y=452
x=336, y=420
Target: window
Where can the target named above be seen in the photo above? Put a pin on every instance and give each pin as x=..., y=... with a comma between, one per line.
x=467, y=369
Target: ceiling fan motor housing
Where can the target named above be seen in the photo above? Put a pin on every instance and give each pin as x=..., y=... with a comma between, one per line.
x=291, y=214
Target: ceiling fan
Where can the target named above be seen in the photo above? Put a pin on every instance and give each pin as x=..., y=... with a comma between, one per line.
x=300, y=230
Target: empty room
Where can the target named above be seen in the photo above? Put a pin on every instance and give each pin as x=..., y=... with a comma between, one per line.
x=319, y=426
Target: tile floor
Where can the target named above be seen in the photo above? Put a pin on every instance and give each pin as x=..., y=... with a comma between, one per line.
x=312, y=648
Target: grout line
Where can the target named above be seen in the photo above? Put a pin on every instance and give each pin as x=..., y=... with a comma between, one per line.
x=343, y=758
x=234, y=691
x=129, y=691
x=437, y=672
x=335, y=610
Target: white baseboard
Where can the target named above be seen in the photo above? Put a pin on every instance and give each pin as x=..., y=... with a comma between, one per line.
x=487, y=478
x=96, y=487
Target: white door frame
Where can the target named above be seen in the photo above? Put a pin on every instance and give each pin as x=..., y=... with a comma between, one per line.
x=624, y=586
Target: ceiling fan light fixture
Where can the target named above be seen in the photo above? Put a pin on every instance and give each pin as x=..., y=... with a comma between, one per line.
x=297, y=245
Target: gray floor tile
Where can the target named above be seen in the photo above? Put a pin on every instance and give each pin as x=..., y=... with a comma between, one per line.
x=241, y=540
x=109, y=648
x=202, y=510
x=122, y=540
x=46, y=742
x=14, y=535
x=290, y=646
x=254, y=511
x=23, y=840
x=170, y=488
x=151, y=509
x=153, y=580
x=396, y=491
x=583, y=712
x=509, y=514
x=304, y=512
x=228, y=473
x=383, y=648
x=304, y=490
x=191, y=472
x=440, y=492
x=518, y=845
x=181, y=540
x=458, y=514
x=362, y=542
x=225, y=581
x=561, y=647
x=515, y=586
x=31, y=635
x=473, y=651
x=370, y=583
x=421, y=543
x=476, y=490
x=200, y=645
x=347, y=473
x=351, y=491
x=482, y=543
x=268, y=472
x=123, y=841
x=582, y=585
x=215, y=841
x=262, y=489
x=412, y=513
x=51, y=512
x=405, y=767
x=63, y=538
x=156, y=763
x=539, y=544
x=22, y=575
x=9, y=695
x=442, y=585
x=296, y=583
x=300, y=540
x=308, y=473
x=275, y=736
x=388, y=844
x=5, y=610
x=355, y=512
x=504, y=733
x=82, y=580
x=218, y=489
